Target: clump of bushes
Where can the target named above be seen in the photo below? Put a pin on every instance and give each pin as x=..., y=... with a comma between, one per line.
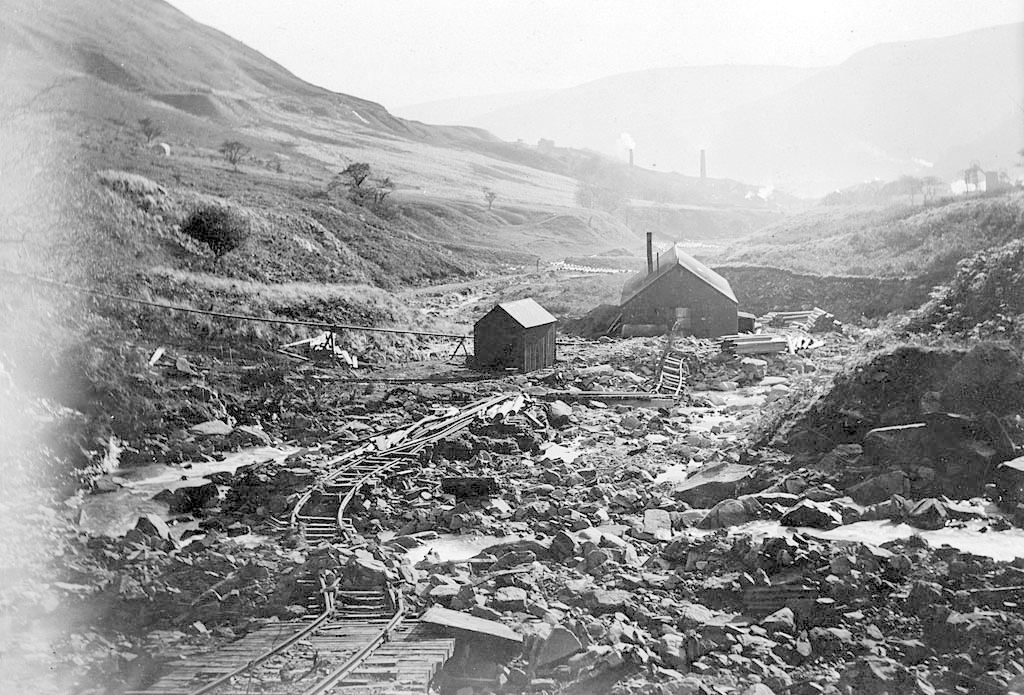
x=984, y=299
x=220, y=228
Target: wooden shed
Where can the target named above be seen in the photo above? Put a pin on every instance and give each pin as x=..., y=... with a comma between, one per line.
x=679, y=290
x=519, y=334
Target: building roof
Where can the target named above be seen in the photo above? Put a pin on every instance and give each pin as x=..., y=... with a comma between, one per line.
x=666, y=262
x=527, y=313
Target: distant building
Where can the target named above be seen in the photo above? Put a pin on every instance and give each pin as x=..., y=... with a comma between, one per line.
x=996, y=181
x=678, y=290
x=519, y=335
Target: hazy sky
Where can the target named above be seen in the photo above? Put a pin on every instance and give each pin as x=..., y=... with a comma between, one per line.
x=401, y=52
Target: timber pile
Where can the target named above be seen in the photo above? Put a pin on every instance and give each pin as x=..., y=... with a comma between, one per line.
x=816, y=320
x=754, y=343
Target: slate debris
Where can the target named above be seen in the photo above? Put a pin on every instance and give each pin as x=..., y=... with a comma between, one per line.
x=607, y=570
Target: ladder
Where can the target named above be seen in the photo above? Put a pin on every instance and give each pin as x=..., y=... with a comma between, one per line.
x=672, y=374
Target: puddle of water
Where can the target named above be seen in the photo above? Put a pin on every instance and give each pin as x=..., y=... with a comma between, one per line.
x=998, y=545
x=115, y=513
x=558, y=452
x=249, y=540
x=677, y=472
x=451, y=547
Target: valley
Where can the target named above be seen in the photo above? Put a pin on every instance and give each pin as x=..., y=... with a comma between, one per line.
x=247, y=445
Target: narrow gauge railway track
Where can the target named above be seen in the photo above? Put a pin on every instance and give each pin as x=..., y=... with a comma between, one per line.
x=360, y=641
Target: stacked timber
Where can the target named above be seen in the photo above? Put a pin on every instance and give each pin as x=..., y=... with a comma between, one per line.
x=754, y=343
x=815, y=320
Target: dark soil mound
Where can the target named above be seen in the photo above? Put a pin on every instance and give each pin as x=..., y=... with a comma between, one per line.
x=595, y=324
x=901, y=386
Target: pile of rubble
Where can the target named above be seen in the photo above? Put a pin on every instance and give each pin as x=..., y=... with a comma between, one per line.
x=645, y=542
x=608, y=570
x=721, y=614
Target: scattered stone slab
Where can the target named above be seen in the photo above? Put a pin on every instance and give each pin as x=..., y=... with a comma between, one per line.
x=510, y=598
x=436, y=615
x=604, y=601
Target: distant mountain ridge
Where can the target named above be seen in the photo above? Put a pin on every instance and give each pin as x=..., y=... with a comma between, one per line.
x=150, y=47
x=652, y=106
x=928, y=107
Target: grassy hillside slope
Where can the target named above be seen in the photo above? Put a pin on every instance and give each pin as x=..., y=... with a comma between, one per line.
x=898, y=241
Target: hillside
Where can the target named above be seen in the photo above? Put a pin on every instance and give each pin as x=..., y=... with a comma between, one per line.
x=878, y=241
x=883, y=112
x=465, y=109
x=929, y=106
x=96, y=70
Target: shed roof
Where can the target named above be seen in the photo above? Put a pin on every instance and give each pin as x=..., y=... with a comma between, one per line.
x=669, y=260
x=527, y=313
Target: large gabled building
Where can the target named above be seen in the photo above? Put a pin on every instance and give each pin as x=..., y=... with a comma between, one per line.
x=678, y=290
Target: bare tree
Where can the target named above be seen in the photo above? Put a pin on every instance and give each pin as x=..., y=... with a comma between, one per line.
x=150, y=129
x=489, y=196
x=911, y=185
x=381, y=190
x=234, y=152
x=974, y=175
x=931, y=185
x=357, y=172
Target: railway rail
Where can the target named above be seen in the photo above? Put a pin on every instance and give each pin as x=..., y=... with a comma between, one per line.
x=360, y=640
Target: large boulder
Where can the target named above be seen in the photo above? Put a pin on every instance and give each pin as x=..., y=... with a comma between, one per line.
x=658, y=523
x=874, y=675
x=191, y=499
x=1009, y=481
x=812, y=515
x=902, y=446
x=559, y=413
x=880, y=488
x=731, y=513
x=560, y=644
x=152, y=531
x=989, y=378
x=713, y=483
x=928, y=514
x=963, y=470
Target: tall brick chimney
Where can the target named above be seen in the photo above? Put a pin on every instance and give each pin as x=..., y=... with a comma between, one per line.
x=650, y=253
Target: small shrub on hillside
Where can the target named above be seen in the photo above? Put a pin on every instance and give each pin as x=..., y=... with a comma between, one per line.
x=220, y=228
x=234, y=152
x=132, y=185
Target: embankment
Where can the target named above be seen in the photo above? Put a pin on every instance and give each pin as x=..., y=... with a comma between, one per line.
x=761, y=289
